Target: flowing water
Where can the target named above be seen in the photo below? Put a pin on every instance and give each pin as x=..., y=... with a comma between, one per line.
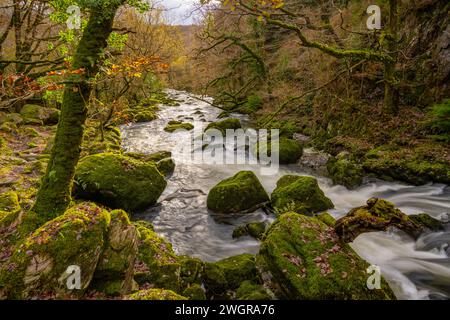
x=414, y=269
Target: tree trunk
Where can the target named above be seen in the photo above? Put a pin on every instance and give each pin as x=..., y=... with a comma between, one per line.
x=54, y=195
x=390, y=87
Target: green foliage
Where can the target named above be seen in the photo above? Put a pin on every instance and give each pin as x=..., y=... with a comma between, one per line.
x=440, y=122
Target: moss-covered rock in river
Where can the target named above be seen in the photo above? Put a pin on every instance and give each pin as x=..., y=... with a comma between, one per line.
x=118, y=181
x=157, y=263
x=228, y=274
x=300, y=194
x=177, y=125
x=252, y=229
x=39, y=266
x=155, y=294
x=344, y=172
x=222, y=126
x=242, y=192
x=302, y=258
x=115, y=269
x=379, y=215
x=290, y=150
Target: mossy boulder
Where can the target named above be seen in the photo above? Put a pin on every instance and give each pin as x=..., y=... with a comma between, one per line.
x=155, y=294
x=379, y=215
x=35, y=114
x=241, y=193
x=119, y=182
x=13, y=118
x=228, y=274
x=290, y=150
x=252, y=229
x=224, y=125
x=302, y=258
x=300, y=194
x=145, y=116
x=39, y=267
x=176, y=125
x=345, y=172
x=115, y=270
x=157, y=264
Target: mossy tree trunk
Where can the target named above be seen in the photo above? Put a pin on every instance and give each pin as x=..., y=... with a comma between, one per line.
x=54, y=194
x=390, y=86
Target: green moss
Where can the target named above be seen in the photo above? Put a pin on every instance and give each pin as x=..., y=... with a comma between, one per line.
x=302, y=258
x=412, y=166
x=253, y=229
x=145, y=116
x=35, y=114
x=179, y=126
x=290, y=151
x=115, y=269
x=227, y=274
x=427, y=222
x=251, y=291
x=194, y=292
x=119, y=181
x=222, y=126
x=157, y=264
x=345, y=172
x=155, y=294
x=9, y=208
x=162, y=159
x=191, y=270
x=379, y=215
x=242, y=192
x=39, y=267
x=300, y=194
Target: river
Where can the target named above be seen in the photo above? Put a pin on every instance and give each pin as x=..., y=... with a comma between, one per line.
x=414, y=269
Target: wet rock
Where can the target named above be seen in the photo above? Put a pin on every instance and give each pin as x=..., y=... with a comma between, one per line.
x=177, y=125
x=315, y=160
x=290, y=151
x=119, y=182
x=227, y=124
x=162, y=159
x=240, y=193
x=300, y=194
x=302, y=258
x=379, y=215
x=301, y=138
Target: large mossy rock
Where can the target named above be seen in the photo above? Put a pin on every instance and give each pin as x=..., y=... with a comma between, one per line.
x=290, y=150
x=38, y=268
x=36, y=114
x=224, y=125
x=240, y=193
x=178, y=125
x=302, y=258
x=379, y=215
x=252, y=229
x=300, y=194
x=155, y=294
x=119, y=182
x=115, y=269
